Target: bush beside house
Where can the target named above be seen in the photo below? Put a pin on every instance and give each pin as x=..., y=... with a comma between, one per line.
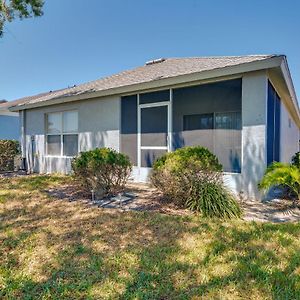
x=9, y=149
x=103, y=170
x=286, y=176
x=191, y=177
x=296, y=160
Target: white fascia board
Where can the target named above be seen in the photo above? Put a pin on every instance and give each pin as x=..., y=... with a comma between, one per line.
x=162, y=83
x=289, y=82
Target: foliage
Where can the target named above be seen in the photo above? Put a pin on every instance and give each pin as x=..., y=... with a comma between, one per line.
x=183, y=158
x=8, y=151
x=281, y=174
x=209, y=196
x=11, y=9
x=191, y=177
x=103, y=170
x=53, y=249
x=170, y=171
x=296, y=160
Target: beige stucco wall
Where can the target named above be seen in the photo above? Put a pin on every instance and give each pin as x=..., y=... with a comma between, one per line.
x=98, y=126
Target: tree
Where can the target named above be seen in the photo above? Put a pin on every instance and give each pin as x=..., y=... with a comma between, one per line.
x=11, y=9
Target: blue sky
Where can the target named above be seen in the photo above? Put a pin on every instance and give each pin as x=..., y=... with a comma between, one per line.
x=81, y=40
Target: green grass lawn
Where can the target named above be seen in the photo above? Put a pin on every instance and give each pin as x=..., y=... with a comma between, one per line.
x=56, y=249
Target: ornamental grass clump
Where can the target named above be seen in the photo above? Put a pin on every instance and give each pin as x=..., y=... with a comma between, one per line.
x=103, y=171
x=191, y=177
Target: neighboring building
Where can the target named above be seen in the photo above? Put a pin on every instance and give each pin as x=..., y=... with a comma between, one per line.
x=9, y=122
x=243, y=108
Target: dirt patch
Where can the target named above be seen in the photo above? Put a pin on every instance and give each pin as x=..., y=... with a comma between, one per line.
x=144, y=197
x=138, y=197
x=276, y=211
x=12, y=174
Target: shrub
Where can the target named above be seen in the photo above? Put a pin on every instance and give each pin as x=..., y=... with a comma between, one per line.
x=8, y=151
x=184, y=157
x=281, y=174
x=212, y=199
x=296, y=160
x=103, y=170
x=169, y=171
x=191, y=177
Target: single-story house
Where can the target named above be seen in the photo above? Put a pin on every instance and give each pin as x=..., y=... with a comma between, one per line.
x=243, y=108
x=9, y=122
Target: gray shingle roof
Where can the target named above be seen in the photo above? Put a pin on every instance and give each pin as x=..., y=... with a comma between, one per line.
x=168, y=68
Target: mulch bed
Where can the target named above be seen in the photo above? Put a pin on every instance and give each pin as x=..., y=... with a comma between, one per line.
x=143, y=197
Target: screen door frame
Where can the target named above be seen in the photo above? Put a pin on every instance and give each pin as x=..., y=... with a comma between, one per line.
x=168, y=146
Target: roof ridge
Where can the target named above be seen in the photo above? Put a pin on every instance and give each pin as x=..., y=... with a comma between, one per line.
x=224, y=56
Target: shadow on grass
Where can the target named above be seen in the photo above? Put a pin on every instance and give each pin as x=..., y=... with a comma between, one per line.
x=61, y=250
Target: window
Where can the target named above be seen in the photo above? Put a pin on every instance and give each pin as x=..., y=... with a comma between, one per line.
x=196, y=122
x=62, y=133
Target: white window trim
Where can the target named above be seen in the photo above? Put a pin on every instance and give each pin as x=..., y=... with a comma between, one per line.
x=61, y=134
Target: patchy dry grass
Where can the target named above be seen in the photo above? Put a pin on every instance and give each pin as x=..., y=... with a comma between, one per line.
x=55, y=249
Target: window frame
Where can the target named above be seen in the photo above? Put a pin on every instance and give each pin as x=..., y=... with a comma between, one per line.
x=214, y=118
x=61, y=134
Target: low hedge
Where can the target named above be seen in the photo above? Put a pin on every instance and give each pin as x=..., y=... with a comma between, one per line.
x=169, y=173
x=191, y=177
x=103, y=170
x=8, y=151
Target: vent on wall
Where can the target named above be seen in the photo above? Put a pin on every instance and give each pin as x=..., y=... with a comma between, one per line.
x=155, y=61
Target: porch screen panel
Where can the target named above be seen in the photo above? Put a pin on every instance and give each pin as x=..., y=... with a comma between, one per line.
x=128, y=138
x=159, y=96
x=149, y=156
x=210, y=116
x=154, y=126
x=273, y=125
x=227, y=139
x=277, y=128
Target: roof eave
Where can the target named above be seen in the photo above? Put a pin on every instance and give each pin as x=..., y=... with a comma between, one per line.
x=289, y=82
x=164, y=82
x=6, y=112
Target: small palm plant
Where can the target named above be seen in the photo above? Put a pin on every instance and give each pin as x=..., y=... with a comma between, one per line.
x=282, y=174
